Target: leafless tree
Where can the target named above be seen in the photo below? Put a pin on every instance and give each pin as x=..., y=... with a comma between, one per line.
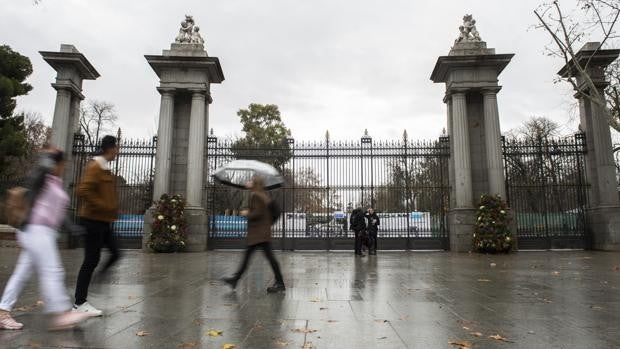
x=592, y=18
x=97, y=118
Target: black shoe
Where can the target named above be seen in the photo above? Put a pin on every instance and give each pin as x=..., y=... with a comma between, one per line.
x=278, y=287
x=231, y=281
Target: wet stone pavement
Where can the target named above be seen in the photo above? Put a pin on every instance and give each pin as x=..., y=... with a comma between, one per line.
x=333, y=300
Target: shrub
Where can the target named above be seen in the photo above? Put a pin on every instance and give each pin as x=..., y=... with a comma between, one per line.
x=492, y=232
x=169, y=227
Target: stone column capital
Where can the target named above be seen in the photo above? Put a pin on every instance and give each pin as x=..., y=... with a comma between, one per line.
x=455, y=91
x=198, y=91
x=166, y=91
x=68, y=88
x=486, y=91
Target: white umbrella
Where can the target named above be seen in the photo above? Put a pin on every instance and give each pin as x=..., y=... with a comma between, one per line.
x=238, y=172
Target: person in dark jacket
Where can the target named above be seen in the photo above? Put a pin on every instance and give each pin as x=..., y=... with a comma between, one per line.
x=259, y=235
x=373, y=229
x=358, y=225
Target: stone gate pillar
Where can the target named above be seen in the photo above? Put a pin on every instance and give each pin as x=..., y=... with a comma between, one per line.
x=72, y=68
x=470, y=73
x=603, y=215
x=185, y=73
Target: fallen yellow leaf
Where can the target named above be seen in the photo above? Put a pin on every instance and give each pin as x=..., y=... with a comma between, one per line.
x=476, y=334
x=142, y=333
x=187, y=345
x=214, y=333
x=461, y=344
x=229, y=346
x=484, y=280
x=497, y=337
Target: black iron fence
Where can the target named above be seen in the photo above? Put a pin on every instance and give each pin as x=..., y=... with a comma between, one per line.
x=546, y=189
x=134, y=171
x=406, y=182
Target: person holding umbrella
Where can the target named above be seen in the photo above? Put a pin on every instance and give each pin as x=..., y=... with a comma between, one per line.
x=260, y=219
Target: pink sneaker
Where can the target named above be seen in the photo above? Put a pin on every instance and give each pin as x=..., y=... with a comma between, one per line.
x=67, y=321
x=8, y=323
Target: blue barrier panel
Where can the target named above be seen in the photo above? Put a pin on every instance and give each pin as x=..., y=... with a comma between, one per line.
x=129, y=225
x=233, y=227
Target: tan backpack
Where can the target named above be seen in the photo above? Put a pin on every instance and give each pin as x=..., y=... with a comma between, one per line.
x=16, y=206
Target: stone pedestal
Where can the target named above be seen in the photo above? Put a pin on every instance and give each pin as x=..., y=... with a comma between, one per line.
x=470, y=73
x=461, y=223
x=186, y=73
x=197, y=229
x=603, y=214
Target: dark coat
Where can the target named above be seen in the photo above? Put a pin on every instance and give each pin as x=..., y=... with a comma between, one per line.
x=357, y=220
x=259, y=219
x=373, y=222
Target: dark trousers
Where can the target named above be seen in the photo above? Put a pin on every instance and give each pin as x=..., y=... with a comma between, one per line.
x=266, y=246
x=358, y=241
x=372, y=238
x=98, y=235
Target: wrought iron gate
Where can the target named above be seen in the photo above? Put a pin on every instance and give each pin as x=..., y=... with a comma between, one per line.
x=406, y=182
x=546, y=189
x=134, y=171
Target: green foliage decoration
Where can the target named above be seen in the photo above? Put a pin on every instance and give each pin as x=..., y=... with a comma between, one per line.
x=169, y=226
x=492, y=232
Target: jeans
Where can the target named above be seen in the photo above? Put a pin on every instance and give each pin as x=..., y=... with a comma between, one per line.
x=266, y=246
x=358, y=241
x=39, y=253
x=372, y=237
x=98, y=235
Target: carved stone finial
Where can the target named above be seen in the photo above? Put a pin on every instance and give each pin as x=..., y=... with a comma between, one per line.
x=365, y=132
x=405, y=135
x=327, y=135
x=468, y=31
x=189, y=32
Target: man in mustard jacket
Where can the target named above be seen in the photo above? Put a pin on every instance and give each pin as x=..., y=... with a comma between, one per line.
x=98, y=211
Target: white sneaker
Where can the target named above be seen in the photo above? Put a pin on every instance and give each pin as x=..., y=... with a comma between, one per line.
x=87, y=309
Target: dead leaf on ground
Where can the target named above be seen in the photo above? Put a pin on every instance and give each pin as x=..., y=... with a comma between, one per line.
x=322, y=308
x=316, y=300
x=403, y=318
x=476, y=334
x=332, y=321
x=30, y=307
x=466, y=328
x=497, y=337
x=308, y=346
x=258, y=327
x=187, y=345
x=461, y=344
x=596, y=307
x=142, y=333
x=484, y=280
x=303, y=330
x=214, y=333
x=228, y=346
x=282, y=342
x=617, y=268
x=382, y=337
x=555, y=273
x=35, y=345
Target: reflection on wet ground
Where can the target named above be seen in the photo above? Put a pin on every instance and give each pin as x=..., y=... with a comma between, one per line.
x=334, y=300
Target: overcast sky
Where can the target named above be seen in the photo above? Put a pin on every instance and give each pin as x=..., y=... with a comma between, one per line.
x=342, y=65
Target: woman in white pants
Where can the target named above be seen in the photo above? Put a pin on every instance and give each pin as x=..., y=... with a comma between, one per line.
x=39, y=253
